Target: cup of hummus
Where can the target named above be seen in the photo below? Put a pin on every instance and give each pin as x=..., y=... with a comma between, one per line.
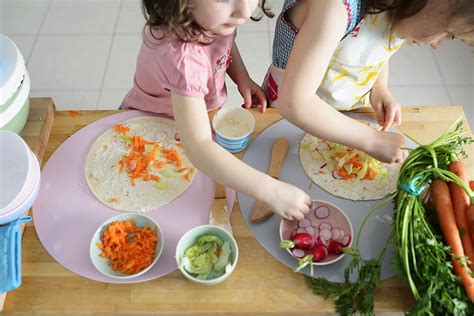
x=233, y=127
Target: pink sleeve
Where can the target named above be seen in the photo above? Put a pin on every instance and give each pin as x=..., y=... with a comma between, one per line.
x=183, y=68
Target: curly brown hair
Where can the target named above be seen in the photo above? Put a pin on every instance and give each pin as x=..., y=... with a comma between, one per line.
x=177, y=16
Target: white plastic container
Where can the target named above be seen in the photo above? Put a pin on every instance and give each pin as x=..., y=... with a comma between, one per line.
x=20, y=177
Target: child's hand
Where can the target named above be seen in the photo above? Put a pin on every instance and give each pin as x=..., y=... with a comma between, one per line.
x=253, y=94
x=289, y=201
x=387, y=147
x=386, y=108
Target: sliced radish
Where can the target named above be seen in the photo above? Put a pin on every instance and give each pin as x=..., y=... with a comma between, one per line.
x=305, y=222
x=322, y=211
x=336, y=175
x=326, y=234
x=316, y=231
x=300, y=230
x=310, y=230
x=298, y=253
x=323, y=145
x=321, y=241
x=324, y=226
x=336, y=234
x=346, y=240
x=177, y=137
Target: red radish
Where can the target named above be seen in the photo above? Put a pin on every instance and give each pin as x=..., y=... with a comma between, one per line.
x=310, y=230
x=305, y=222
x=335, y=247
x=325, y=226
x=298, y=253
x=346, y=240
x=321, y=211
x=321, y=241
x=336, y=175
x=301, y=230
x=303, y=241
x=326, y=234
x=319, y=253
x=176, y=136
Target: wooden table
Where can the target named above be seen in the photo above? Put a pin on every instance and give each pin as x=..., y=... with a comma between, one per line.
x=259, y=285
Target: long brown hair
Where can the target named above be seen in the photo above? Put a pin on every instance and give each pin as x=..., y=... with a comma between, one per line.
x=177, y=16
x=460, y=22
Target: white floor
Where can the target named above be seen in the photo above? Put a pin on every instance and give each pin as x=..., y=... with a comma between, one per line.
x=82, y=53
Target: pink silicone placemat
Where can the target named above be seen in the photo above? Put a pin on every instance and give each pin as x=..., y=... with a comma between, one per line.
x=66, y=213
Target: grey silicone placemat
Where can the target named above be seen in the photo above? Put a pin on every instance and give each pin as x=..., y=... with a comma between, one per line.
x=376, y=231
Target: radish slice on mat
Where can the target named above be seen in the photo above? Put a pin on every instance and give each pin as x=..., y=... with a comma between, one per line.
x=301, y=230
x=336, y=234
x=298, y=253
x=310, y=230
x=324, y=226
x=321, y=241
x=346, y=240
x=321, y=211
x=326, y=234
x=336, y=175
x=305, y=222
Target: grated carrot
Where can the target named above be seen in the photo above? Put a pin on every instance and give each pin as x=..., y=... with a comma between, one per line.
x=121, y=129
x=73, y=113
x=129, y=248
x=113, y=200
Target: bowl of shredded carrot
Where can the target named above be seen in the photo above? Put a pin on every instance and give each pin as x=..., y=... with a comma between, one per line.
x=126, y=245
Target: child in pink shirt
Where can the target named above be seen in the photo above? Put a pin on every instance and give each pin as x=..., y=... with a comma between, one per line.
x=187, y=50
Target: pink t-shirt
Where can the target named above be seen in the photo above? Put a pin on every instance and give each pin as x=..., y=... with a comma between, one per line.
x=188, y=69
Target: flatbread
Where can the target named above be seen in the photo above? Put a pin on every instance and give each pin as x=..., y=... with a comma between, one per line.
x=110, y=180
x=322, y=173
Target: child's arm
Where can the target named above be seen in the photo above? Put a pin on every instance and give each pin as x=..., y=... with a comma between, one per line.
x=192, y=123
x=251, y=92
x=317, y=39
x=386, y=108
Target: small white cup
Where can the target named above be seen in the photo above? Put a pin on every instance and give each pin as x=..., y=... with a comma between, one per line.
x=233, y=127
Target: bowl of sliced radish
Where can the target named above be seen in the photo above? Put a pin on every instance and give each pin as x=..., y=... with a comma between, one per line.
x=320, y=237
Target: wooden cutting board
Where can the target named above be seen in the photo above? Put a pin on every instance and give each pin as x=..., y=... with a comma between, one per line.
x=36, y=134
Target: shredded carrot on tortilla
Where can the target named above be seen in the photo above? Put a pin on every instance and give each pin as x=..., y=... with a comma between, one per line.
x=121, y=129
x=183, y=169
x=73, y=113
x=113, y=200
x=129, y=248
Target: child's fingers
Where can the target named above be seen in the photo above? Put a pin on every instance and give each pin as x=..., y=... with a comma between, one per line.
x=261, y=99
x=379, y=114
x=247, y=95
x=390, y=113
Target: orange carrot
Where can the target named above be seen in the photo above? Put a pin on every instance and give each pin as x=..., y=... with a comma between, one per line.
x=121, y=129
x=447, y=222
x=128, y=254
x=73, y=113
x=460, y=202
x=470, y=214
x=113, y=200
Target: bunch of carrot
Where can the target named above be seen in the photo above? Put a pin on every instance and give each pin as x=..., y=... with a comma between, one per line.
x=452, y=203
x=129, y=248
x=423, y=255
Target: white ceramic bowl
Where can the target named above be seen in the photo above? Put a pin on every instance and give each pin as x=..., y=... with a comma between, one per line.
x=20, y=177
x=190, y=238
x=233, y=127
x=102, y=264
x=336, y=219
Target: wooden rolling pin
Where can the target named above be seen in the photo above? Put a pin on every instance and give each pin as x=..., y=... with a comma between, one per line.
x=262, y=211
